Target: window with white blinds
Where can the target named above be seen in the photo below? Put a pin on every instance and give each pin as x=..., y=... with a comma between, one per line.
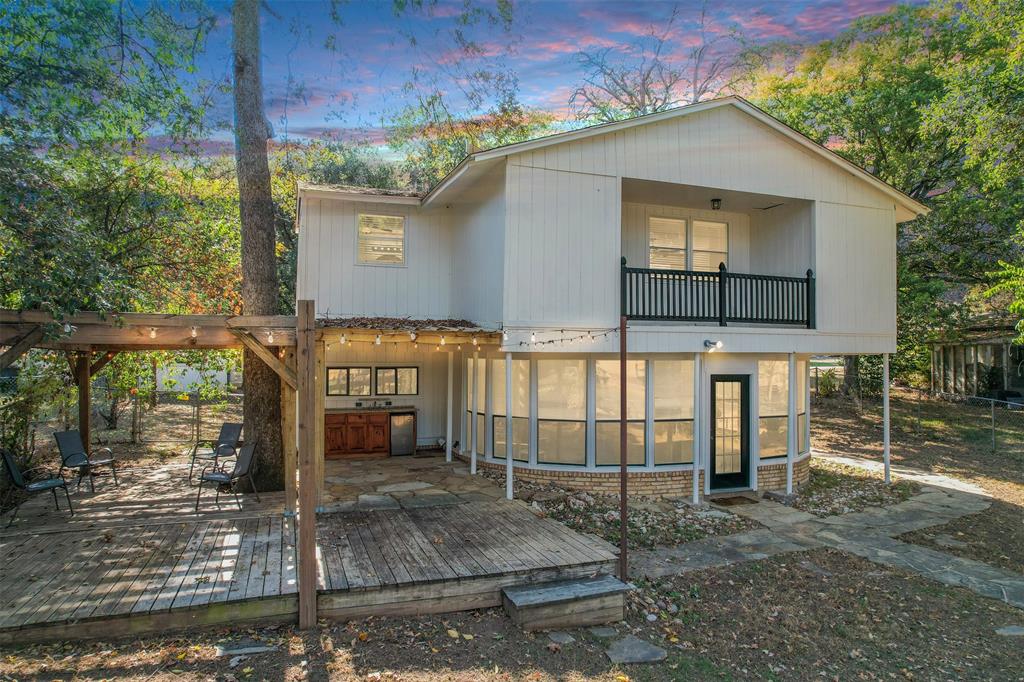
x=667, y=243
x=710, y=245
x=381, y=239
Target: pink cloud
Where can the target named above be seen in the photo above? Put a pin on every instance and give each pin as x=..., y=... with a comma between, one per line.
x=762, y=26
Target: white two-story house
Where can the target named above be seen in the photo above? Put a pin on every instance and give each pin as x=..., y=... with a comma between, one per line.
x=734, y=247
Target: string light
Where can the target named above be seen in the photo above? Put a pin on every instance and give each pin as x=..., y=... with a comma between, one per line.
x=412, y=336
x=152, y=332
x=591, y=336
x=416, y=345
x=474, y=340
x=504, y=335
x=67, y=328
x=270, y=336
x=194, y=332
x=342, y=340
x=376, y=341
x=442, y=339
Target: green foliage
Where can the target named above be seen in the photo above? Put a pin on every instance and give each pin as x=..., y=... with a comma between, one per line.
x=895, y=93
x=42, y=393
x=828, y=383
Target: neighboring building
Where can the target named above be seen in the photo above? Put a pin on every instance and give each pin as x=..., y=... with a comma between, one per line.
x=979, y=360
x=736, y=247
x=181, y=377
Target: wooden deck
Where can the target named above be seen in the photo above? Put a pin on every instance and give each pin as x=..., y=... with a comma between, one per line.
x=136, y=574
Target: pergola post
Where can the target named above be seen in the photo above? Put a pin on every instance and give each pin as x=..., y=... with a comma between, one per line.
x=448, y=413
x=791, y=437
x=320, y=398
x=84, y=380
x=509, y=490
x=306, y=352
x=885, y=415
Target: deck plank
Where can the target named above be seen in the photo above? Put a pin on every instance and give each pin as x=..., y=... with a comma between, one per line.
x=176, y=577
x=149, y=544
x=258, y=566
x=162, y=571
x=154, y=567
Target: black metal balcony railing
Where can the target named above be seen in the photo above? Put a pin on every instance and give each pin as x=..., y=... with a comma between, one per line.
x=722, y=297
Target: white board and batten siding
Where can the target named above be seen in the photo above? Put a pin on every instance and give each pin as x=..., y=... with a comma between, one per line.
x=565, y=217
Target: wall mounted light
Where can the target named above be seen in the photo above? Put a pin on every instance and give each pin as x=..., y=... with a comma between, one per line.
x=711, y=346
x=716, y=204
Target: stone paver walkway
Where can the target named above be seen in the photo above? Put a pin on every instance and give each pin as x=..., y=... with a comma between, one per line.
x=869, y=534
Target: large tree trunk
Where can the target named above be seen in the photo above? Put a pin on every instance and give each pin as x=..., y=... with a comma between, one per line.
x=851, y=376
x=261, y=386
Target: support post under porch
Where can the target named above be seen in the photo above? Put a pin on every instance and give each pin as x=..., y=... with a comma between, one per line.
x=473, y=415
x=509, y=488
x=885, y=415
x=448, y=413
x=791, y=422
x=306, y=362
x=698, y=359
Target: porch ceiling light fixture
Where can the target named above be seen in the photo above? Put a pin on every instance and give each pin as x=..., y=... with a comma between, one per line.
x=711, y=346
x=716, y=204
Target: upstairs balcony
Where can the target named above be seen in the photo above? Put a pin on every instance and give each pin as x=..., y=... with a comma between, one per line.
x=720, y=298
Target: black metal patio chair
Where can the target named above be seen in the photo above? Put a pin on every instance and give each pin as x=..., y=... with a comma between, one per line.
x=19, y=482
x=219, y=475
x=226, y=445
x=74, y=456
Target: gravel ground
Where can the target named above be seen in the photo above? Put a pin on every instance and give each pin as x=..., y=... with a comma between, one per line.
x=652, y=523
x=836, y=488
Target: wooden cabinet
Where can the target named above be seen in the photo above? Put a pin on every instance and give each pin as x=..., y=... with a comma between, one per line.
x=357, y=434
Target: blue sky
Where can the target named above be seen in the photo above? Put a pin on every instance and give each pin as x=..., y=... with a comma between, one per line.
x=352, y=90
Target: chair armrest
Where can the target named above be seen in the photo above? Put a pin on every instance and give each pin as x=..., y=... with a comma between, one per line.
x=40, y=467
x=199, y=443
x=106, y=450
x=64, y=459
x=226, y=450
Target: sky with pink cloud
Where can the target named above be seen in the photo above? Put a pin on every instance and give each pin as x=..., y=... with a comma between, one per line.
x=352, y=89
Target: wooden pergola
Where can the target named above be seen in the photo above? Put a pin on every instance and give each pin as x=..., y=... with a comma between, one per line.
x=293, y=346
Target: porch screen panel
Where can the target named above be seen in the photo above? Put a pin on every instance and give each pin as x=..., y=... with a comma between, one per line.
x=481, y=406
x=607, y=397
x=520, y=409
x=467, y=424
x=673, y=411
x=773, y=407
x=710, y=245
x=561, y=411
x=667, y=238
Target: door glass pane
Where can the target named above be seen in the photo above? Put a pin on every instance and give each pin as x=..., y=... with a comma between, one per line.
x=728, y=427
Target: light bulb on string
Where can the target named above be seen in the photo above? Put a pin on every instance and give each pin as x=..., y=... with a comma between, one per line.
x=194, y=332
x=152, y=332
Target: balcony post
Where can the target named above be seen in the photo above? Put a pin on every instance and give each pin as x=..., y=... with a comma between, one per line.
x=622, y=292
x=810, y=298
x=722, y=274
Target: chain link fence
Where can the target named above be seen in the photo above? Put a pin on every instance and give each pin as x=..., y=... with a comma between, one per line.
x=981, y=423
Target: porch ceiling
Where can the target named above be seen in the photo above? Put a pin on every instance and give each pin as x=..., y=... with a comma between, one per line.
x=693, y=196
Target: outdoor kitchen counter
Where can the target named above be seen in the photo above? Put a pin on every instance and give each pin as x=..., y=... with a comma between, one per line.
x=360, y=432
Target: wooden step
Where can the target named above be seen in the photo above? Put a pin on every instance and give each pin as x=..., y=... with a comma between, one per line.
x=567, y=603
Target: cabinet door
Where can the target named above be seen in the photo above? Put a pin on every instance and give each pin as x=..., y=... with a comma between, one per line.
x=355, y=440
x=334, y=437
x=377, y=438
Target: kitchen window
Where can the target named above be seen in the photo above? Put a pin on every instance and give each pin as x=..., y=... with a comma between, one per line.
x=381, y=239
x=352, y=381
x=398, y=380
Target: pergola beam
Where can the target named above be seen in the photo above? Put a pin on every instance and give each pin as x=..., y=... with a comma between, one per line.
x=21, y=346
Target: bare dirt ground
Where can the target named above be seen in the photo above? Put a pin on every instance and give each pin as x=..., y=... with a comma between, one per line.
x=946, y=438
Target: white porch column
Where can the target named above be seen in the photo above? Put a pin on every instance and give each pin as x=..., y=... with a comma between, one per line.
x=474, y=420
x=791, y=437
x=885, y=414
x=508, y=426
x=448, y=414
x=697, y=438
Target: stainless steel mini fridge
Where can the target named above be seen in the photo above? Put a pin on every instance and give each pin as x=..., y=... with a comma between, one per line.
x=403, y=434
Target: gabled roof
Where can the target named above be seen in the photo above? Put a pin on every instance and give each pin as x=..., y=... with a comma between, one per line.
x=908, y=203
x=356, y=193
